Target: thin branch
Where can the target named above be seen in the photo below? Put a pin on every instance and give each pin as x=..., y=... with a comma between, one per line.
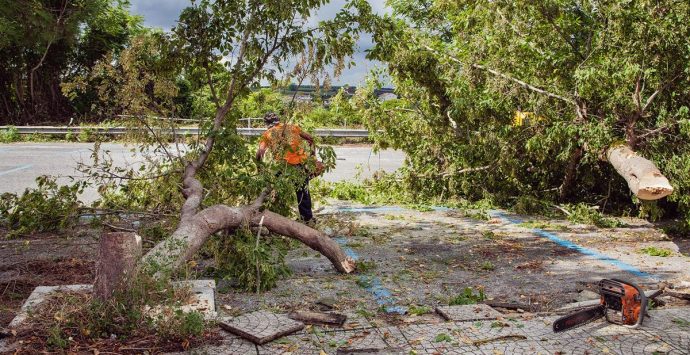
x=118, y=228
x=212, y=86
x=158, y=140
x=110, y=175
x=656, y=130
x=659, y=90
x=468, y=170
x=510, y=78
x=45, y=53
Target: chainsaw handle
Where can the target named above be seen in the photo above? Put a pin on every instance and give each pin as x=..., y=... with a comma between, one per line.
x=643, y=303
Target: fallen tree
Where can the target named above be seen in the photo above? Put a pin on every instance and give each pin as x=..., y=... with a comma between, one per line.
x=260, y=40
x=459, y=94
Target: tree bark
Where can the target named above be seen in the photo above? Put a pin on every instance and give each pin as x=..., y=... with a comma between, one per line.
x=570, y=173
x=119, y=253
x=194, y=231
x=643, y=177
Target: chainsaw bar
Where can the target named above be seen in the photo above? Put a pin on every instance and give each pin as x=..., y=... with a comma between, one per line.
x=579, y=318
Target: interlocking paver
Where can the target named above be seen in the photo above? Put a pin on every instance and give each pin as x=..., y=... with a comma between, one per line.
x=630, y=344
x=294, y=344
x=437, y=338
x=261, y=326
x=672, y=325
x=468, y=312
x=368, y=340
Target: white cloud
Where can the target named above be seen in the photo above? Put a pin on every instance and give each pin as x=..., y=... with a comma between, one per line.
x=164, y=14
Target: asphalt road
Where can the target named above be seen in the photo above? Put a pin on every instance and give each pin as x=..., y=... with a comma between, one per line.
x=22, y=163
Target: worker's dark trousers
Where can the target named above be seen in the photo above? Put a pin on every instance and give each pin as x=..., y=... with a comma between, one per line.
x=304, y=202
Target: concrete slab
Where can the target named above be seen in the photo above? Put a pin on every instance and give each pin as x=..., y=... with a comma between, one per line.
x=261, y=327
x=203, y=301
x=467, y=312
x=39, y=295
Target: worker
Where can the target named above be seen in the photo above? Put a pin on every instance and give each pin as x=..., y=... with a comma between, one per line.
x=286, y=142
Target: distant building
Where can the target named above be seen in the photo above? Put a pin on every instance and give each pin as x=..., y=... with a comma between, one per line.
x=387, y=96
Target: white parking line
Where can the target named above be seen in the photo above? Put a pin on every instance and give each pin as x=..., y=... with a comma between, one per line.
x=21, y=167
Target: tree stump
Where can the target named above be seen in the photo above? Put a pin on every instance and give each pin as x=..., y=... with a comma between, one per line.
x=119, y=253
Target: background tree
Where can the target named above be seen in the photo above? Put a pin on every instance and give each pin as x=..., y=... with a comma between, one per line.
x=42, y=42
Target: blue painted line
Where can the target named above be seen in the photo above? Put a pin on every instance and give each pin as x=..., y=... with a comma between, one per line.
x=373, y=285
x=589, y=252
x=21, y=167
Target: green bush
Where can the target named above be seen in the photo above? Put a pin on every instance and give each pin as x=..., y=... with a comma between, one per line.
x=47, y=208
x=582, y=213
x=249, y=265
x=9, y=135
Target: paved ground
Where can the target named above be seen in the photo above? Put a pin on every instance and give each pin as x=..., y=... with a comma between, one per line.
x=416, y=261
x=22, y=163
x=663, y=333
x=411, y=262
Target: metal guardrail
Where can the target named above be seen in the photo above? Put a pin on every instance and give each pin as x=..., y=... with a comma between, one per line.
x=252, y=132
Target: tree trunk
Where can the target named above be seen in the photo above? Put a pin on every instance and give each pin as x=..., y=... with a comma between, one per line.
x=570, y=174
x=643, y=177
x=118, y=256
x=192, y=232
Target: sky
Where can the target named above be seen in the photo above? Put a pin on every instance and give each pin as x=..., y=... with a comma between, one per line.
x=164, y=14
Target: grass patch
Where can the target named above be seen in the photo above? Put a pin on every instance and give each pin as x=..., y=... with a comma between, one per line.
x=146, y=315
x=365, y=265
x=654, y=251
x=681, y=322
x=443, y=337
x=543, y=225
x=418, y=310
x=487, y=266
x=468, y=296
x=582, y=213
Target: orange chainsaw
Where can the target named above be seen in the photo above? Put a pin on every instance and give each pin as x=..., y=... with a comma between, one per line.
x=621, y=302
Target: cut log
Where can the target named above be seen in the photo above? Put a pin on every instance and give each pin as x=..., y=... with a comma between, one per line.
x=681, y=295
x=318, y=318
x=643, y=177
x=119, y=253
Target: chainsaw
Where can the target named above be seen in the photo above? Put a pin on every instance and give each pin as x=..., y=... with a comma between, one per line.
x=621, y=302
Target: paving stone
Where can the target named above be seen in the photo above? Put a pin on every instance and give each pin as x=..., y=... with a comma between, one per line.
x=631, y=344
x=488, y=331
x=355, y=341
x=433, y=339
x=230, y=345
x=261, y=326
x=510, y=347
x=467, y=312
x=294, y=344
x=672, y=325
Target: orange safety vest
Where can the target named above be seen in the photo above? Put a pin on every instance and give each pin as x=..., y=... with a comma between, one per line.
x=285, y=137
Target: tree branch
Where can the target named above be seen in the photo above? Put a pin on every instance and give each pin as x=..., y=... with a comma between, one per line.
x=663, y=87
x=509, y=78
x=45, y=53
